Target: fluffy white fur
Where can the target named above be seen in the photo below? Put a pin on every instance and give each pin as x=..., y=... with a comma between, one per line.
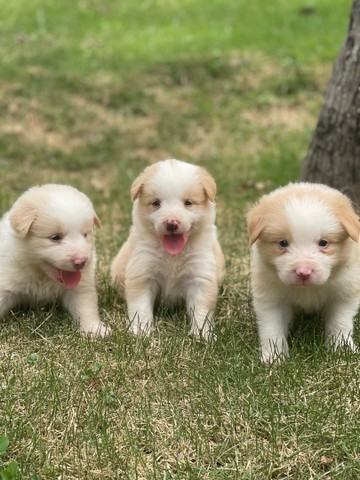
x=172, y=249
x=305, y=255
x=47, y=253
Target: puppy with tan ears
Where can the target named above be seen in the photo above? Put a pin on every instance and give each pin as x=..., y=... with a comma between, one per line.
x=305, y=255
x=47, y=253
x=172, y=250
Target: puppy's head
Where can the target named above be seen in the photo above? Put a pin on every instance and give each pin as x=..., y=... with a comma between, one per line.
x=304, y=232
x=54, y=226
x=173, y=200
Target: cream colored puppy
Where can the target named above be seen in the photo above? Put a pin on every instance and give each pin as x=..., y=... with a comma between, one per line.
x=305, y=255
x=172, y=249
x=47, y=253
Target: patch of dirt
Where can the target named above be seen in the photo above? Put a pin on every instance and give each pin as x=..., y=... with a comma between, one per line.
x=287, y=117
x=24, y=119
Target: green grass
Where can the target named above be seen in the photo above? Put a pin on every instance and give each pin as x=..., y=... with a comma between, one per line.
x=94, y=91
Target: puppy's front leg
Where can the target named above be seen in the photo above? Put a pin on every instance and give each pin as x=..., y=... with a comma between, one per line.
x=273, y=325
x=140, y=298
x=339, y=324
x=82, y=303
x=201, y=302
x=7, y=301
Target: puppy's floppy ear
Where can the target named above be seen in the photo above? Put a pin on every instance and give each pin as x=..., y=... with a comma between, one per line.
x=208, y=184
x=255, y=223
x=22, y=216
x=137, y=186
x=97, y=222
x=351, y=222
x=346, y=215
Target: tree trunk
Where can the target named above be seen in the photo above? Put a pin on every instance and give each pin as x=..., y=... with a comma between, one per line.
x=334, y=153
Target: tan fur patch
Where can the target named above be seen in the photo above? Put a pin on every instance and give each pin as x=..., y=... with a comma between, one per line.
x=207, y=183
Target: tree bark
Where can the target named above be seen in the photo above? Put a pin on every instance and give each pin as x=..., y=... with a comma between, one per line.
x=334, y=153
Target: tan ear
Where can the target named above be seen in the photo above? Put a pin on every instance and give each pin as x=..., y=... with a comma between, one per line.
x=346, y=215
x=351, y=223
x=255, y=224
x=97, y=222
x=208, y=183
x=137, y=186
x=21, y=218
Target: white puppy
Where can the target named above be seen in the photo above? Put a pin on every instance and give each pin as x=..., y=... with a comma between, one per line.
x=172, y=249
x=47, y=253
x=305, y=254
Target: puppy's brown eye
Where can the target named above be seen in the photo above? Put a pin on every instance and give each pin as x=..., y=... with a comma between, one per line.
x=156, y=203
x=323, y=243
x=188, y=203
x=56, y=238
x=283, y=243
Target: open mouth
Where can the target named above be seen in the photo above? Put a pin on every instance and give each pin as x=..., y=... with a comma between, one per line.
x=173, y=243
x=69, y=279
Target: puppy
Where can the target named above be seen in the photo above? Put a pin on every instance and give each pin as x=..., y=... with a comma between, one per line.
x=305, y=254
x=47, y=253
x=172, y=249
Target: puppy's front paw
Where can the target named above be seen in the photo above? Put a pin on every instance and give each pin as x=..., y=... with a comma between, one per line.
x=276, y=352
x=268, y=358
x=141, y=326
x=98, y=329
x=335, y=341
x=206, y=333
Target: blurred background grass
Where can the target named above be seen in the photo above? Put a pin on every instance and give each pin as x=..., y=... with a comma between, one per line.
x=84, y=82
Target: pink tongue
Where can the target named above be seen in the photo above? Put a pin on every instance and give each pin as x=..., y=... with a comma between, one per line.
x=173, y=244
x=69, y=279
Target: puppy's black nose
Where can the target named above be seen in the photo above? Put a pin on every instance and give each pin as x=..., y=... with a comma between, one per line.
x=172, y=225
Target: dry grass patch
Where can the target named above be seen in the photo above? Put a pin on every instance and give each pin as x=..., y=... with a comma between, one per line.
x=25, y=119
x=281, y=116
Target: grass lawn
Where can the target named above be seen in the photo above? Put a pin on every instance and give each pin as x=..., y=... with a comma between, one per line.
x=92, y=92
